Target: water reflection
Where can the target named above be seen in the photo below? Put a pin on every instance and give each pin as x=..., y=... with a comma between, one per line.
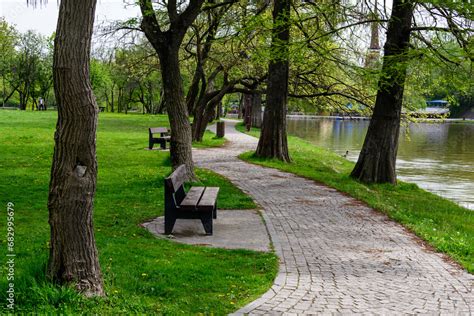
x=438, y=157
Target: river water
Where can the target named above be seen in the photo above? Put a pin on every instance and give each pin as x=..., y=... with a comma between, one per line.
x=439, y=157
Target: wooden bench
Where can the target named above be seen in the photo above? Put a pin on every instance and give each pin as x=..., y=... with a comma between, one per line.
x=197, y=203
x=164, y=137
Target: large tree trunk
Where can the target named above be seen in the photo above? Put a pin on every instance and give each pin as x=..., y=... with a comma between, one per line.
x=199, y=121
x=273, y=140
x=181, y=144
x=247, y=109
x=73, y=253
x=167, y=44
x=377, y=159
x=219, y=110
x=257, y=110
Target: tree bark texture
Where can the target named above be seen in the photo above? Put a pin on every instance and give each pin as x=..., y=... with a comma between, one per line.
x=167, y=44
x=201, y=117
x=202, y=120
x=199, y=110
x=160, y=109
x=247, y=106
x=376, y=163
x=193, y=90
x=219, y=110
x=240, y=114
x=73, y=253
x=257, y=110
x=181, y=141
x=206, y=109
x=273, y=139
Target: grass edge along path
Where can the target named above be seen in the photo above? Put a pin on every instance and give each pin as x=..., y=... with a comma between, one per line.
x=443, y=224
x=143, y=274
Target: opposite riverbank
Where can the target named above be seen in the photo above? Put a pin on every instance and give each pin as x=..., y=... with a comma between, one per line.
x=366, y=118
x=446, y=226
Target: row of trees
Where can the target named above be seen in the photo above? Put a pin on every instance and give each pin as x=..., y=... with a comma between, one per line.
x=25, y=67
x=128, y=80
x=227, y=47
x=225, y=51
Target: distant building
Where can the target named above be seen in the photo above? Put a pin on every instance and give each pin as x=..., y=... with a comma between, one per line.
x=437, y=107
x=434, y=109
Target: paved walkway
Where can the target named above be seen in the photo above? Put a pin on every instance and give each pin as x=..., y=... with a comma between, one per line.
x=337, y=255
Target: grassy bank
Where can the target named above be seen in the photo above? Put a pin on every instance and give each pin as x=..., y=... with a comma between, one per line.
x=142, y=274
x=445, y=225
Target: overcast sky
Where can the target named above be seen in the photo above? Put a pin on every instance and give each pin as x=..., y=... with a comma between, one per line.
x=43, y=19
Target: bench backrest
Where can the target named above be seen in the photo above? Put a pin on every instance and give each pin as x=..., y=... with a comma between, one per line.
x=177, y=178
x=174, y=186
x=157, y=130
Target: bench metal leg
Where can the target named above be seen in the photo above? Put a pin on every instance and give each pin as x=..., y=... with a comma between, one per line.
x=214, y=212
x=163, y=144
x=169, y=224
x=206, y=219
x=150, y=144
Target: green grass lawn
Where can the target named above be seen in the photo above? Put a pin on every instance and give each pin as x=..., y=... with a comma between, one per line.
x=445, y=225
x=142, y=274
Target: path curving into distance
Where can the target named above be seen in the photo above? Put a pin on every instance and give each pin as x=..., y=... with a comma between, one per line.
x=336, y=254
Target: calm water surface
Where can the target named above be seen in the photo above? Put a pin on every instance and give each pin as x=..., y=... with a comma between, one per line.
x=439, y=157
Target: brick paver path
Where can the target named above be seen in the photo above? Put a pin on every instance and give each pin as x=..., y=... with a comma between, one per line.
x=337, y=255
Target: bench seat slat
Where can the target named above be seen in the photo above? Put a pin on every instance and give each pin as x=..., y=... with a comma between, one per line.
x=192, y=198
x=208, y=199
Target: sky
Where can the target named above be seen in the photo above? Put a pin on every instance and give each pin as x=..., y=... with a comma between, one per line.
x=43, y=19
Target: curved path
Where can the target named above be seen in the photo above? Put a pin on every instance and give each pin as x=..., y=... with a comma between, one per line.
x=337, y=255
